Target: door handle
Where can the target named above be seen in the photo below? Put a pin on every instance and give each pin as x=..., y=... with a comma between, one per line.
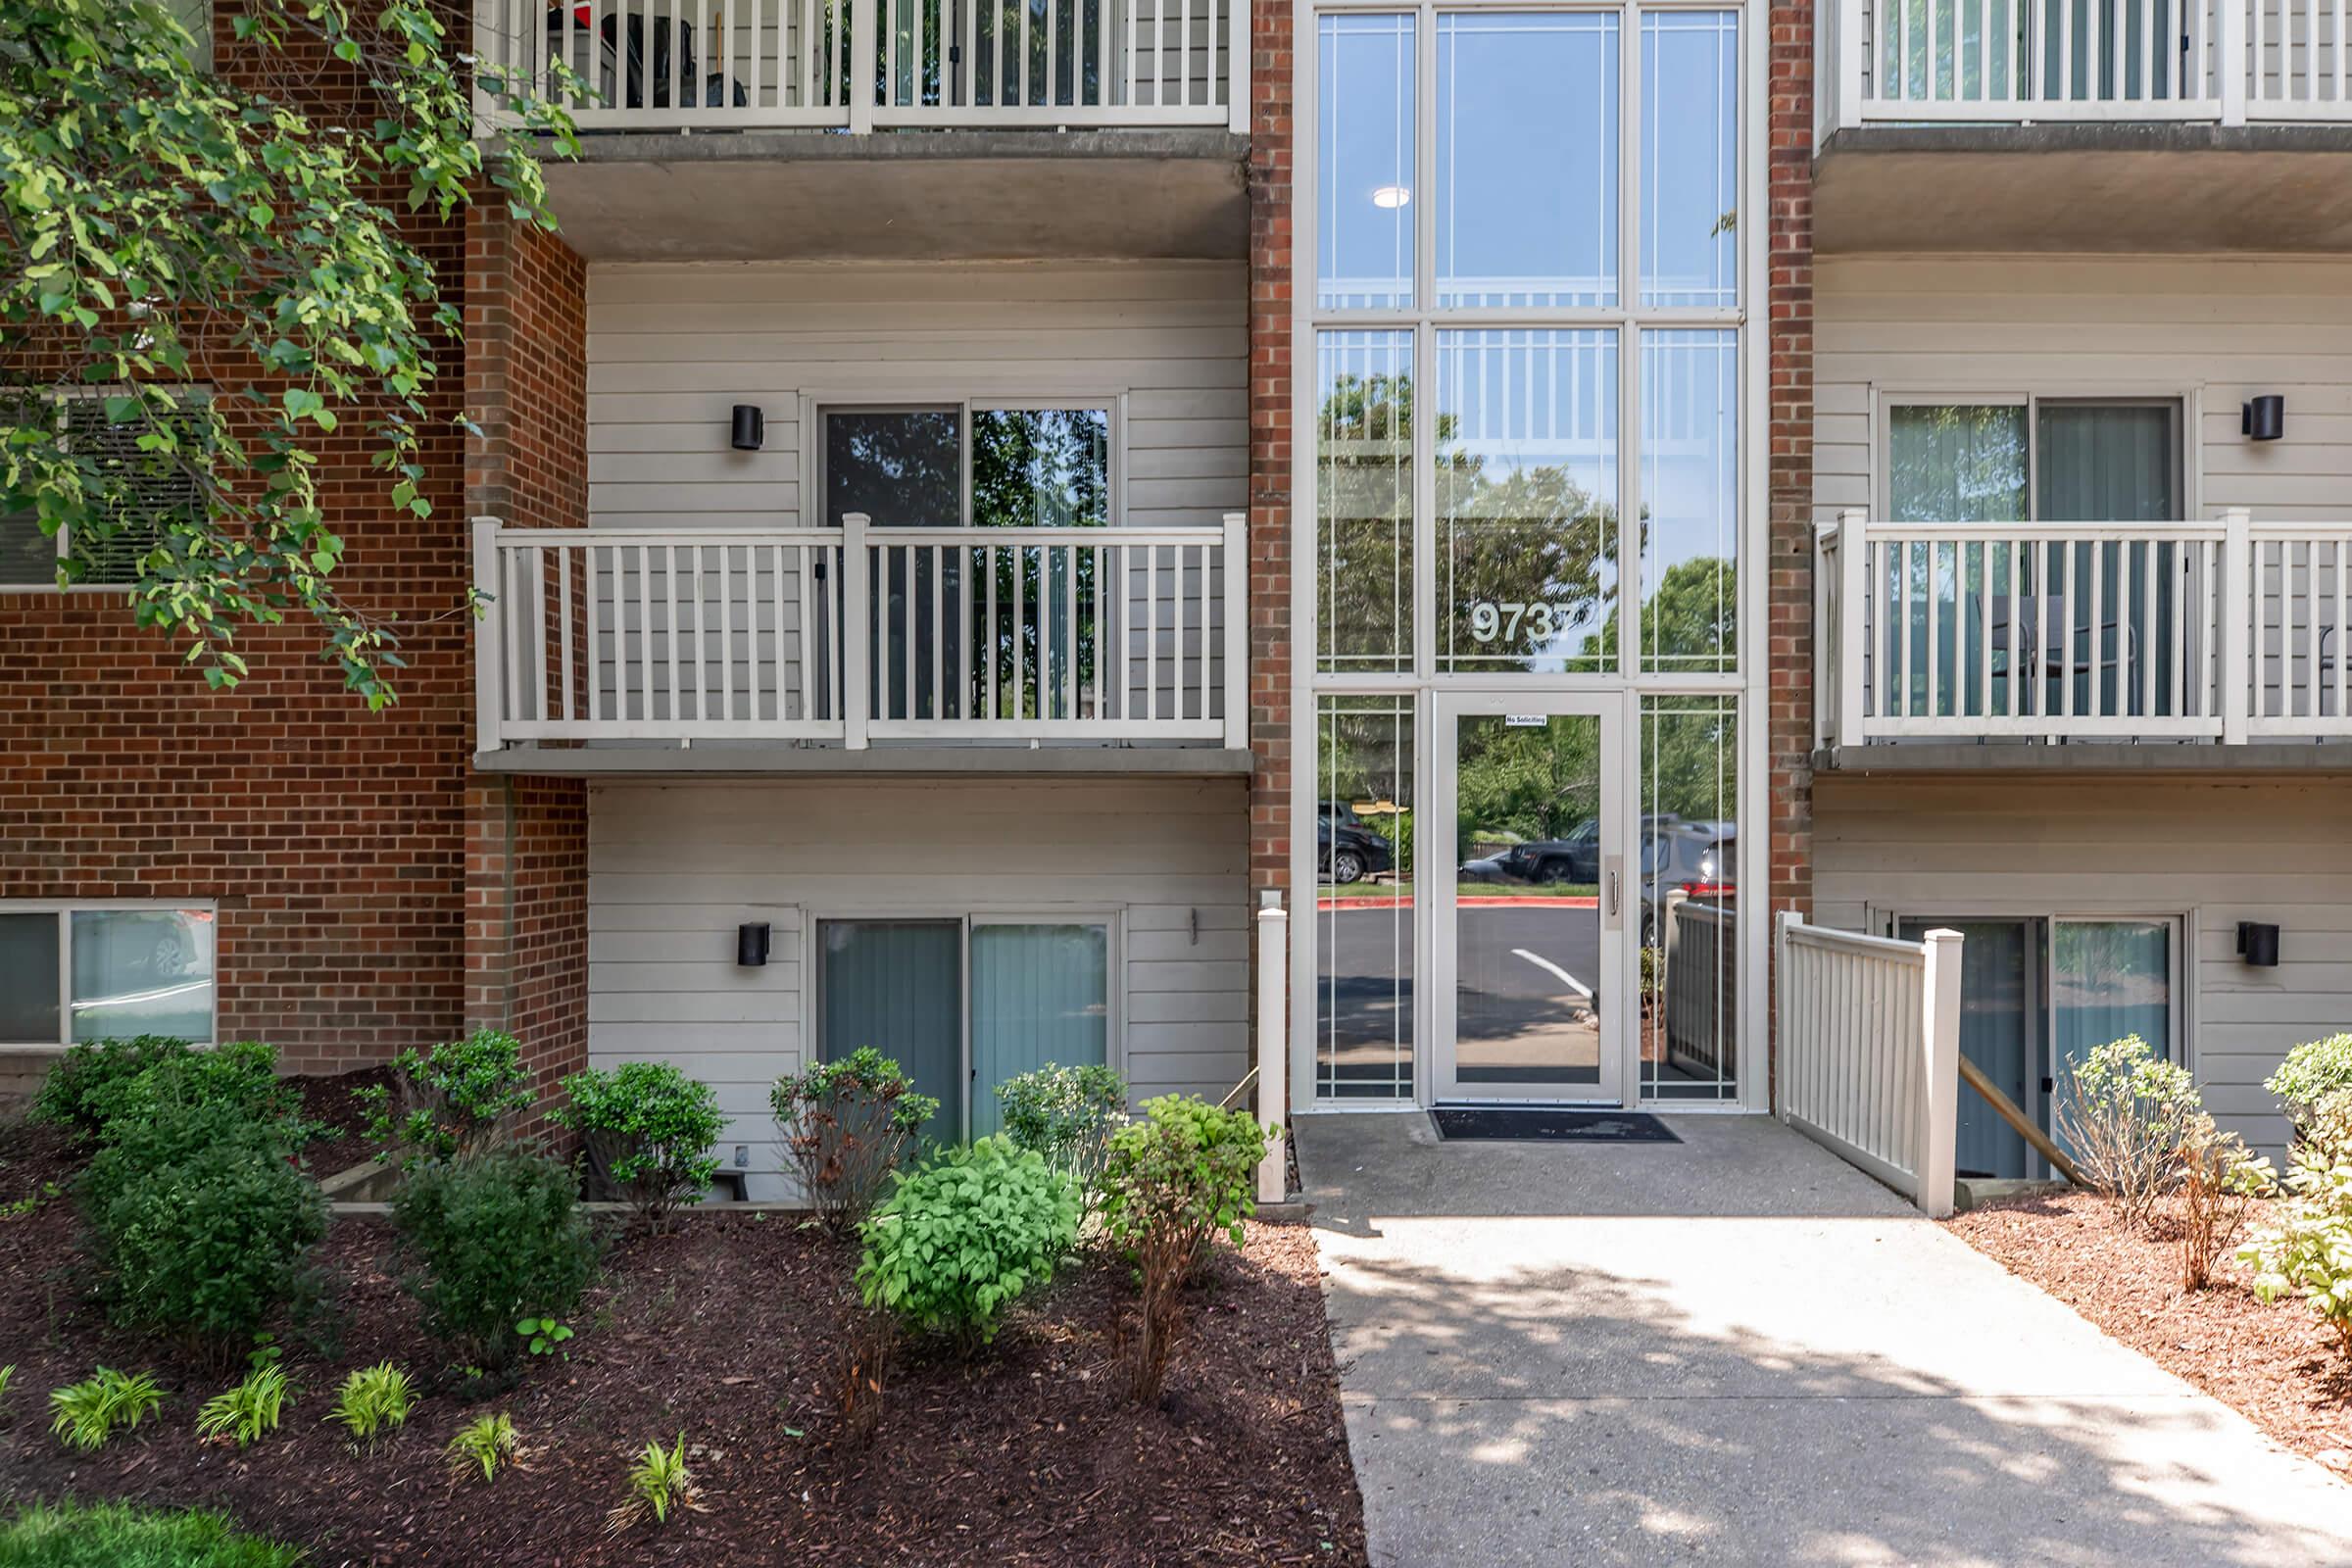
x=1612, y=880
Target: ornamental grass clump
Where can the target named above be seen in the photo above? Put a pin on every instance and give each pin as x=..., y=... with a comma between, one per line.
x=458, y=1099
x=1174, y=1182
x=373, y=1401
x=1067, y=1115
x=964, y=1236
x=85, y=1416
x=486, y=1444
x=659, y=1485
x=2125, y=1113
x=648, y=1131
x=251, y=1410
x=847, y=1124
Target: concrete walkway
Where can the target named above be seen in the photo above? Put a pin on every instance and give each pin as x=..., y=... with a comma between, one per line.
x=1738, y=1349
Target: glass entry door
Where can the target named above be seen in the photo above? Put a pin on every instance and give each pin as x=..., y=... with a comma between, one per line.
x=1529, y=928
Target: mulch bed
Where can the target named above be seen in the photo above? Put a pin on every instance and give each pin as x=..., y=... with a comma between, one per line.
x=2274, y=1363
x=329, y=1102
x=730, y=1330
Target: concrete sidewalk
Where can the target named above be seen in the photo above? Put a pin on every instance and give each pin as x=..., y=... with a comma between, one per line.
x=1738, y=1349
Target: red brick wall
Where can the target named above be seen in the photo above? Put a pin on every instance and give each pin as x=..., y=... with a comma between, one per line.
x=1790, y=578
x=1270, y=266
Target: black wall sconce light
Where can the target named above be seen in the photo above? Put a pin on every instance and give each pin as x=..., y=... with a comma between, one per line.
x=751, y=945
x=750, y=428
x=2258, y=944
x=2263, y=418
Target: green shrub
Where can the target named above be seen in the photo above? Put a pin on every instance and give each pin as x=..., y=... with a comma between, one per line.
x=493, y=1240
x=483, y=1443
x=250, y=1411
x=2127, y=1113
x=1175, y=1181
x=2308, y=1249
x=648, y=1130
x=241, y=1076
x=2313, y=1072
x=845, y=1123
x=112, y=1535
x=199, y=1224
x=84, y=1416
x=1067, y=1115
x=371, y=1401
x=78, y=1080
x=459, y=1099
x=964, y=1236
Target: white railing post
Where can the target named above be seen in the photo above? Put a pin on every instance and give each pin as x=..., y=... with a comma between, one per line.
x=1940, y=1096
x=2239, y=596
x=1235, y=587
x=1273, y=1037
x=1853, y=626
x=863, y=39
x=489, y=640
x=1783, y=1012
x=1236, y=65
x=1849, y=63
x=856, y=624
x=2234, y=68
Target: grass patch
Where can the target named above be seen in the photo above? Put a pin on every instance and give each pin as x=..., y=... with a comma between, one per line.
x=75, y=1535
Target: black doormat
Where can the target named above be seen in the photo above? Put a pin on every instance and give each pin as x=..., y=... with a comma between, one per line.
x=1537, y=1125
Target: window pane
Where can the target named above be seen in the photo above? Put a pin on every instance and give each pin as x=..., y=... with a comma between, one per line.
x=2106, y=463
x=1364, y=913
x=1689, y=870
x=897, y=986
x=903, y=467
x=27, y=556
x=1956, y=463
x=1364, y=500
x=1041, y=994
x=28, y=979
x=1691, y=157
x=1527, y=160
x=142, y=972
x=1041, y=467
x=1526, y=500
x=2108, y=979
x=1691, y=501
x=1364, y=152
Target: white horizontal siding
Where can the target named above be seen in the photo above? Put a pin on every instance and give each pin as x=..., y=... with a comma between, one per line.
x=672, y=347
x=673, y=868
x=2273, y=851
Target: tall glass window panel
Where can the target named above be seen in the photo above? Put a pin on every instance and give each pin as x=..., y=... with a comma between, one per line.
x=28, y=1001
x=1041, y=467
x=1690, y=159
x=2107, y=462
x=1956, y=463
x=1526, y=457
x=897, y=986
x=142, y=972
x=1041, y=996
x=1527, y=152
x=1364, y=501
x=903, y=467
x=1688, y=887
x=1689, y=501
x=1364, y=906
x=1365, y=158
x=2108, y=979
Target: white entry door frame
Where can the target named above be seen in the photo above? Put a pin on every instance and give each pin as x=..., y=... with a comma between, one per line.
x=1551, y=934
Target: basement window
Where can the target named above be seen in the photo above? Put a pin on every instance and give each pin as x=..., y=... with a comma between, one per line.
x=74, y=973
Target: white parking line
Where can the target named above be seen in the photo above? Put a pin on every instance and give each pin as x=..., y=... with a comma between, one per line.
x=1574, y=984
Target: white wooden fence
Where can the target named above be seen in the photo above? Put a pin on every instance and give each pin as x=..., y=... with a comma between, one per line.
x=2227, y=62
x=866, y=65
x=2204, y=631
x=1868, y=1053
x=860, y=634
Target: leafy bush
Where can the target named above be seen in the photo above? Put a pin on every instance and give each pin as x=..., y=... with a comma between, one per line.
x=112, y=1535
x=2313, y=1072
x=485, y=1442
x=964, y=1236
x=373, y=1399
x=1067, y=1115
x=494, y=1240
x=241, y=1076
x=84, y=1416
x=199, y=1225
x=1175, y=1181
x=659, y=1485
x=459, y=1099
x=77, y=1080
x=2127, y=1113
x=244, y=1413
x=846, y=1123
x=2309, y=1250
x=648, y=1129
x=2219, y=1182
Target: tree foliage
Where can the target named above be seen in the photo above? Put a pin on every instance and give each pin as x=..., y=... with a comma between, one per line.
x=227, y=266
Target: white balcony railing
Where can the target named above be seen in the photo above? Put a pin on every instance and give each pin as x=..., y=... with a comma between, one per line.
x=2185, y=631
x=2225, y=62
x=867, y=64
x=849, y=636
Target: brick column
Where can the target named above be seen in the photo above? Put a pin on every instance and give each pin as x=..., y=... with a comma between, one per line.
x=1270, y=446
x=1790, y=572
